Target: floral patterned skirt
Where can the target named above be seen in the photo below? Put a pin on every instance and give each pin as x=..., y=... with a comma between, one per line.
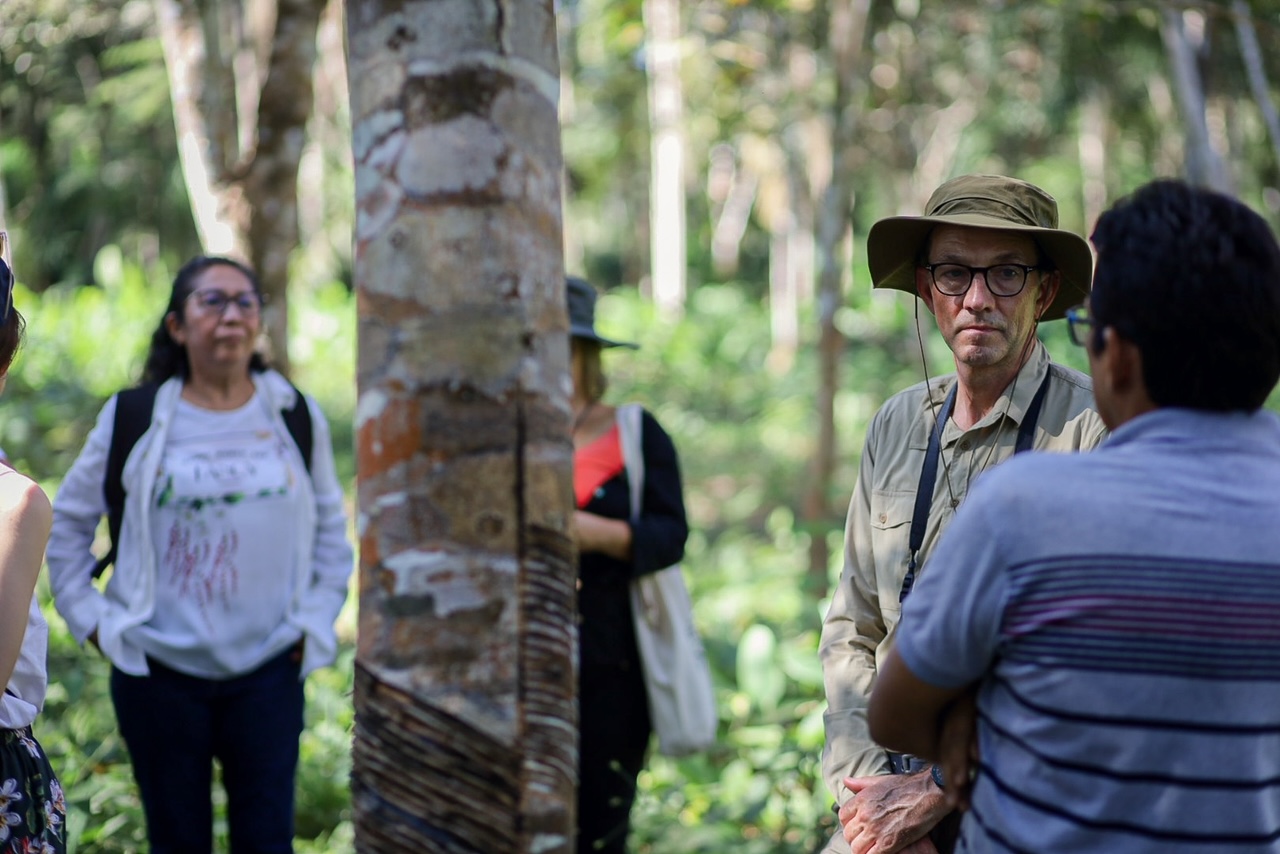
x=33, y=811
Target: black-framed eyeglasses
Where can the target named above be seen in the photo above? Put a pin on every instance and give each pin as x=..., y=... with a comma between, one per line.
x=214, y=301
x=1003, y=280
x=1078, y=324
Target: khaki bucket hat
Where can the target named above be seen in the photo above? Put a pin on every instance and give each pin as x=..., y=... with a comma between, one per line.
x=983, y=201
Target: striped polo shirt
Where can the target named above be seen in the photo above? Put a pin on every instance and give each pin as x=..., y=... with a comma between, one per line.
x=1122, y=609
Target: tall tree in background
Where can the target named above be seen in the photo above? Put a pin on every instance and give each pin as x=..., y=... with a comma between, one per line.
x=465, y=737
x=240, y=76
x=1203, y=162
x=1251, y=55
x=667, y=237
x=848, y=29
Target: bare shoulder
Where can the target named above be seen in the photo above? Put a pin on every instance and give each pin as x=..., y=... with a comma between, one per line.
x=22, y=499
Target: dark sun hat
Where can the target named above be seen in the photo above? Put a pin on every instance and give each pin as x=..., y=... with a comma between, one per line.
x=894, y=244
x=582, y=313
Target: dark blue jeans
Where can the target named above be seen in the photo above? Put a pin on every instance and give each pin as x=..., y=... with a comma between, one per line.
x=175, y=725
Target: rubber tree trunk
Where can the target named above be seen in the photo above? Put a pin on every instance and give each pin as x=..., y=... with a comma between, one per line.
x=667, y=237
x=847, y=34
x=1204, y=165
x=1251, y=54
x=241, y=129
x=465, y=736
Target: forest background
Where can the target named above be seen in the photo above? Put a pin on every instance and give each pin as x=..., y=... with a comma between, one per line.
x=796, y=124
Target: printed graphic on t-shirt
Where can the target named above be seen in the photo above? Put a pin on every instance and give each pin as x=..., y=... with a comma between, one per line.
x=217, y=495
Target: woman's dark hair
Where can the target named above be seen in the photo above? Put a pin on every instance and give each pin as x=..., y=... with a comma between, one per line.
x=11, y=333
x=167, y=358
x=594, y=381
x=1192, y=277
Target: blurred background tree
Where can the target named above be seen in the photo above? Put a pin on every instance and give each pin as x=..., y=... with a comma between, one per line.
x=797, y=127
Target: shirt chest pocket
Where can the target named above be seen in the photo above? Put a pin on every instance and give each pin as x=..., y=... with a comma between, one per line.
x=892, y=510
x=891, y=514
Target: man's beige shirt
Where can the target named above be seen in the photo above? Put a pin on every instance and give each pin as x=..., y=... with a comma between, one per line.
x=864, y=609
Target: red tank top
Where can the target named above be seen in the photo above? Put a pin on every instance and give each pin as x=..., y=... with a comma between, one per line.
x=595, y=464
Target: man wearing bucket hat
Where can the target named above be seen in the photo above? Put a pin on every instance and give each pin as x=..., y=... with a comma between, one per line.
x=1115, y=611
x=989, y=261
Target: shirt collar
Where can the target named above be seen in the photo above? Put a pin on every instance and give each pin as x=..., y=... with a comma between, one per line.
x=1023, y=389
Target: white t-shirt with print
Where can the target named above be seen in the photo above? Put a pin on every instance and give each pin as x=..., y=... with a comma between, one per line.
x=222, y=511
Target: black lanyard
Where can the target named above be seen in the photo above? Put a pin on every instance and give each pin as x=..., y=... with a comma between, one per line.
x=929, y=472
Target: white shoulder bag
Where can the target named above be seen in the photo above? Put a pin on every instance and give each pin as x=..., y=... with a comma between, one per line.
x=682, y=702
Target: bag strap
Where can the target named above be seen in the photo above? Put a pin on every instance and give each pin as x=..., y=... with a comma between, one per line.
x=133, y=418
x=1027, y=429
x=629, y=429
x=929, y=473
x=297, y=420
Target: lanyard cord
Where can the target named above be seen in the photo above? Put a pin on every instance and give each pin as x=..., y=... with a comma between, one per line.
x=929, y=472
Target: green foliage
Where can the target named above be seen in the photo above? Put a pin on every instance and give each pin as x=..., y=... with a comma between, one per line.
x=743, y=431
x=742, y=417
x=88, y=156
x=743, y=427
x=83, y=344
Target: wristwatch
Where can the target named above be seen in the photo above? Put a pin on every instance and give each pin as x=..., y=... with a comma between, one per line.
x=936, y=773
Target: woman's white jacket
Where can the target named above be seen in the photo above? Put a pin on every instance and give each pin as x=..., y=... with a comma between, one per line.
x=321, y=572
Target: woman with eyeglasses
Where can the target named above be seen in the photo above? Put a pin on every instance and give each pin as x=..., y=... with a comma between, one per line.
x=231, y=563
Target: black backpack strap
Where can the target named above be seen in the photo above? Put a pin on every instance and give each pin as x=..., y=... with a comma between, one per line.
x=1027, y=430
x=929, y=473
x=298, y=419
x=132, y=419
x=924, y=491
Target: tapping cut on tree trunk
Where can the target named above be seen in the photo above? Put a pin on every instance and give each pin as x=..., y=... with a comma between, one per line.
x=465, y=712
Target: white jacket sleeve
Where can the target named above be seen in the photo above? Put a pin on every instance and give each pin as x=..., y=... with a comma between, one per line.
x=332, y=557
x=77, y=509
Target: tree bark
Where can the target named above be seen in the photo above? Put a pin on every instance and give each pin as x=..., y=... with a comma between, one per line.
x=667, y=236
x=465, y=737
x=1092, y=145
x=1251, y=53
x=271, y=181
x=731, y=191
x=206, y=119
x=847, y=34
x=1204, y=166
x=241, y=134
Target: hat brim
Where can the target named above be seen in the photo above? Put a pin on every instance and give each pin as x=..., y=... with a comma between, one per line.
x=893, y=245
x=588, y=333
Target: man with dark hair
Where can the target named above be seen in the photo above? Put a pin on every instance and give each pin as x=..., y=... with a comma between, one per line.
x=990, y=262
x=1115, y=616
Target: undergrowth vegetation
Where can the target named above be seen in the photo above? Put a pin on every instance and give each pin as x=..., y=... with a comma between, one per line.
x=742, y=416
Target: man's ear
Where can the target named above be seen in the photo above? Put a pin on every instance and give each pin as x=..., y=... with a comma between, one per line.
x=1121, y=358
x=1049, y=286
x=924, y=287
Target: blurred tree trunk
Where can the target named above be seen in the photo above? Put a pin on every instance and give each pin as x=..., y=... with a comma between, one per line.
x=240, y=76
x=847, y=36
x=1092, y=146
x=791, y=246
x=1251, y=53
x=668, y=255
x=731, y=191
x=465, y=737
x=1204, y=165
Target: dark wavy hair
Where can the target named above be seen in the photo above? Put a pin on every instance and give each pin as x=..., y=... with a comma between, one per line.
x=13, y=325
x=11, y=334
x=1192, y=277
x=167, y=358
